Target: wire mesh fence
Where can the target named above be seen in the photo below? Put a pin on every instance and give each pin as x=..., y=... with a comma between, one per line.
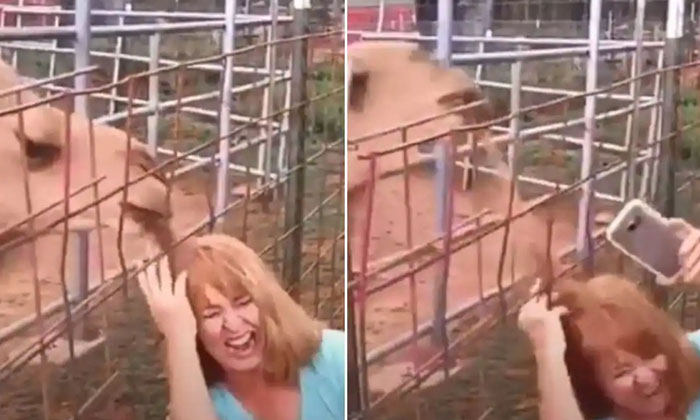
x=243, y=137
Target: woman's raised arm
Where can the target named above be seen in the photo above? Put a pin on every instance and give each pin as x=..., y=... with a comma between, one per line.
x=173, y=315
x=543, y=326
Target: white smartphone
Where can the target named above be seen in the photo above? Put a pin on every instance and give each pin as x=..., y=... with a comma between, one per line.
x=644, y=235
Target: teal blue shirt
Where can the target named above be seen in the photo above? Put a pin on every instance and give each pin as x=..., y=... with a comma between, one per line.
x=694, y=412
x=322, y=385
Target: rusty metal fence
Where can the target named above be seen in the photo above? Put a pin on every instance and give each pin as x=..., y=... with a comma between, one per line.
x=75, y=340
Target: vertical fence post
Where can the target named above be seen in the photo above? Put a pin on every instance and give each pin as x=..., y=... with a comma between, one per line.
x=669, y=145
x=54, y=45
x=354, y=399
x=515, y=101
x=655, y=127
x=82, y=53
x=153, y=100
x=78, y=284
x=116, y=68
x=380, y=16
x=481, y=68
x=584, y=245
x=268, y=100
x=638, y=68
x=444, y=32
x=486, y=30
x=282, y=164
x=222, y=185
x=18, y=23
x=444, y=56
x=516, y=71
x=294, y=200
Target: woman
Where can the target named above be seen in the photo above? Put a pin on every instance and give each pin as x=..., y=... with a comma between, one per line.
x=613, y=354
x=605, y=351
x=238, y=347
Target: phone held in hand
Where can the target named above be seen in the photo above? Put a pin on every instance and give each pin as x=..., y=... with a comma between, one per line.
x=644, y=235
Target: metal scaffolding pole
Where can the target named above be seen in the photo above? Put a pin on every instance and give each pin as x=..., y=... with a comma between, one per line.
x=443, y=172
x=444, y=32
x=268, y=100
x=584, y=244
x=153, y=94
x=228, y=45
x=82, y=52
x=294, y=200
x=669, y=148
x=630, y=188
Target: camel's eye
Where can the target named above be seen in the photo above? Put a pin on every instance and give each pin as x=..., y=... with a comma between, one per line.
x=358, y=86
x=41, y=155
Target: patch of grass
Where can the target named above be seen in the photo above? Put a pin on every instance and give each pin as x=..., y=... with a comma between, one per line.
x=327, y=115
x=690, y=139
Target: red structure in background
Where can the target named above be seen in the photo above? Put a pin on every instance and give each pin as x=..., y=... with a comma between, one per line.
x=397, y=17
x=28, y=20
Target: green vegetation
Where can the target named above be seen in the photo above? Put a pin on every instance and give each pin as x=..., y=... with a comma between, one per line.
x=543, y=153
x=690, y=114
x=326, y=116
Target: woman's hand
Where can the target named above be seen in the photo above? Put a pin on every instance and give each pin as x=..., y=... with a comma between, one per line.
x=689, y=253
x=543, y=325
x=168, y=303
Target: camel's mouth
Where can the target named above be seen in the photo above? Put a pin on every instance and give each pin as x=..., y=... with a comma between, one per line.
x=8, y=237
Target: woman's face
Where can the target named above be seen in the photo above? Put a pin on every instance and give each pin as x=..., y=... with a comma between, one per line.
x=231, y=331
x=634, y=384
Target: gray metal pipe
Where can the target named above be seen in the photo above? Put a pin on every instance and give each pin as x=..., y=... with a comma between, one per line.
x=584, y=245
x=443, y=174
x=153, y=93
x=82, y=53
x=108, y=31
x=228, y=45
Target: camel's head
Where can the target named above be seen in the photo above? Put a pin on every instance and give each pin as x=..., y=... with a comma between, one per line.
x=47, y=155
x=394, y=83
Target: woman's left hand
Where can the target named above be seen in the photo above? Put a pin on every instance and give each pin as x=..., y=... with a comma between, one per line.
x=689, y=253
x=542, y=324
x=168, y=301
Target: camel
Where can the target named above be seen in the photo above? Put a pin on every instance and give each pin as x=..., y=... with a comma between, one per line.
x=47, y=154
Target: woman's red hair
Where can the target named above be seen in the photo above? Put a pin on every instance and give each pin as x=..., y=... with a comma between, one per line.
x=608, y=313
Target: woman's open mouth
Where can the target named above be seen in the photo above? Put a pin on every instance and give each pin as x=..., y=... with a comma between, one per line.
x=652, y=393
x=241, y=345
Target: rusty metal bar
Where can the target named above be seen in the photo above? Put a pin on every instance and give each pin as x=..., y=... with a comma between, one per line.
x=294, y=197
x=44, y=374
x=362, y=290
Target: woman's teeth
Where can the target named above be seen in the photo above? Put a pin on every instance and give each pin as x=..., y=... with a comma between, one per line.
x=243, y=342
